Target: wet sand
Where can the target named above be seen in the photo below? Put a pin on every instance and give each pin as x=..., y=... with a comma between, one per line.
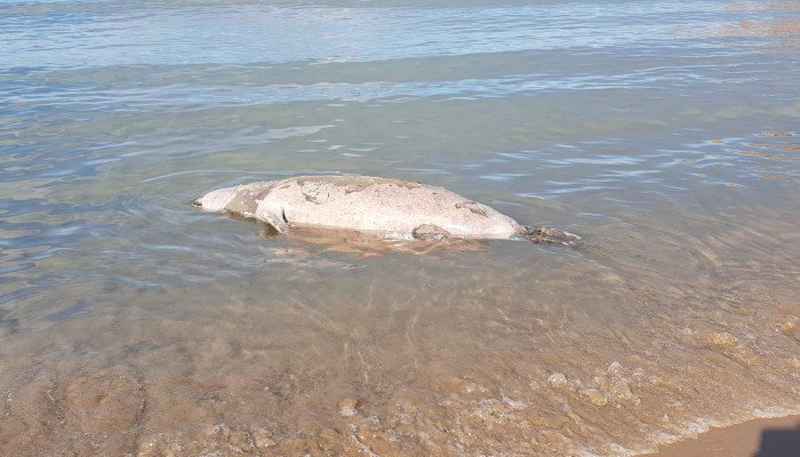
x=549, y=352
x=756, y=438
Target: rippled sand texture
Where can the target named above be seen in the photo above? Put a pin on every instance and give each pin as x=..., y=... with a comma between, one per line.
x=639, y=336
x=133, y=325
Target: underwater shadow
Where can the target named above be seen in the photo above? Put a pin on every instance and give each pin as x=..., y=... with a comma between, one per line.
x=779, y=442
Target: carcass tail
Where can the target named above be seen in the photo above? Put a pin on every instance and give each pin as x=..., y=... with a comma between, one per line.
x=551, y=235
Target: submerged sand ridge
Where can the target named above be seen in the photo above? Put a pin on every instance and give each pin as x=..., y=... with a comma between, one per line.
x=602, y=351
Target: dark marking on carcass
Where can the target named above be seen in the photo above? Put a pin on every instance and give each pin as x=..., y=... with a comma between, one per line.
x=430, y=232
x=312, y=198
x=474, y=207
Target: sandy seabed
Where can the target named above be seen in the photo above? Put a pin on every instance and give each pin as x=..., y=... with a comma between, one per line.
x=557, y=352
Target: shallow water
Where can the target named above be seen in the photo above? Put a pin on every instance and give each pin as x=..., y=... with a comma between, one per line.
x=665, y=133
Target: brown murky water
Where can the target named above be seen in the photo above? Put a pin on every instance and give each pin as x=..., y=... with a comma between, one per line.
x=132, y=325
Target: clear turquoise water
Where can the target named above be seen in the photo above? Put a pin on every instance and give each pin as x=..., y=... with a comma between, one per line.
x=666, y=133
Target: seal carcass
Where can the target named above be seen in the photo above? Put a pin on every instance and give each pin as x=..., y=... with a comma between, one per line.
x=386, y=207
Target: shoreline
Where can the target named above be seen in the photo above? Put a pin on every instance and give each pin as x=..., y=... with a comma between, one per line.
x=740, y=440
